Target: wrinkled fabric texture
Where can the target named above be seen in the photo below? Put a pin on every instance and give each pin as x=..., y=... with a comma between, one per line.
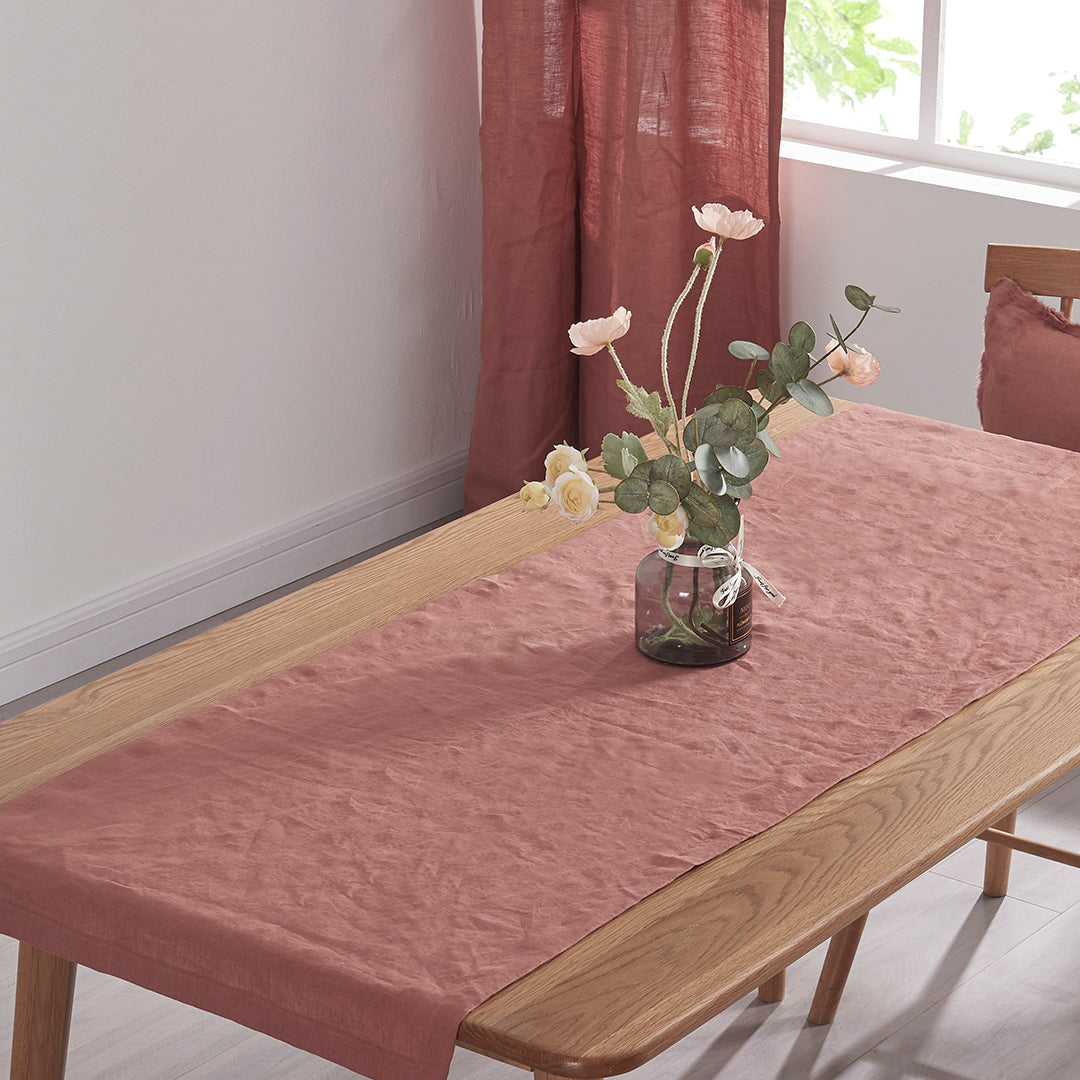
x=1029, y=380
x=603, y=124
x=354, y=853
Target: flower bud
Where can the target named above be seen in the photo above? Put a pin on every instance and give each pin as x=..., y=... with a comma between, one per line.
x=534, y=496
x=706, y=253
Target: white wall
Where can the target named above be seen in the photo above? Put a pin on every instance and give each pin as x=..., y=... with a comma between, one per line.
x=917, y=238
x=240, y=255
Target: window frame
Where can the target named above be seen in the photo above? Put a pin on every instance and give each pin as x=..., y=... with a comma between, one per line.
x=925, y=149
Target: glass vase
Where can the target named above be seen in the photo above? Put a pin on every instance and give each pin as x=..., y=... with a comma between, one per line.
x=676, y=621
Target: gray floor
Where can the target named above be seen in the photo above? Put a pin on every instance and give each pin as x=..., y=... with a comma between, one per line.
x=948, y=985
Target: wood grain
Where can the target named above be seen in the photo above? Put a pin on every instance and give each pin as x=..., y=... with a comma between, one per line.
x=61, y=734
x=834, y=973
x=43, y=997
x=1044, y=271
x=640, y=983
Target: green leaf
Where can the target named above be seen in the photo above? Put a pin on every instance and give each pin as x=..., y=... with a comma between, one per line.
x=724, y=393
x=647, y=407
x=802, y=337
x=663, y=498
x=739, y=491
x=1043, y=141
x=1069, y=106
x=811, y=396
x=884, y=307
x=747, y=350
x=788, y=364
x=769, y=443
x=702, y=508
x=733, y=460
x=1021, y=120
x=632, y=495
x=727, y=521
x=770, y=389
x=612, y=451
x=836, y=333
x=671, y=469
x=709, y=470
x=858, y=298
x=757, y=457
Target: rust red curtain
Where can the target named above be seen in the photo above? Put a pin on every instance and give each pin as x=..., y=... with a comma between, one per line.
x=603, y=123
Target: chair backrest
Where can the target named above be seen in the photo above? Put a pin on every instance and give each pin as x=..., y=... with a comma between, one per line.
x=1043, y=271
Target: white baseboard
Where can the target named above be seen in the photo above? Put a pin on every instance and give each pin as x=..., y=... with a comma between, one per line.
x=114, y=624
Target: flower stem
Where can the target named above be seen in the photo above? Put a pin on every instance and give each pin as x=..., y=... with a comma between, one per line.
x=664, y=348
x=709, y=274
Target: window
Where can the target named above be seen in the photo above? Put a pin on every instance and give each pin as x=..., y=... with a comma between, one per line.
x=952, y=82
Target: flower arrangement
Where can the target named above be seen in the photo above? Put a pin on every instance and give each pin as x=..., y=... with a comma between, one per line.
x=714, y=453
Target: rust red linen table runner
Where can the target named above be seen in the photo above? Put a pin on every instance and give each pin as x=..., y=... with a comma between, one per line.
x=354, y=853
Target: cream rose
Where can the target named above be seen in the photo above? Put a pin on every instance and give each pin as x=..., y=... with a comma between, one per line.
x=595, y=334
x=727, y=224
x=668, y=530
x=560, y=459
x=534, y=496
x=856, y=365
x=575, y=495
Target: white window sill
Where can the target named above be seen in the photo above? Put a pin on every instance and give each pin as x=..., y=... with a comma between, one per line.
x=942, y=176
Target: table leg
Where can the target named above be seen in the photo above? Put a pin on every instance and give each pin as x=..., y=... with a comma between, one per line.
x=773, y=990
x=834, y=973
x=44, y=991
x=998, y=860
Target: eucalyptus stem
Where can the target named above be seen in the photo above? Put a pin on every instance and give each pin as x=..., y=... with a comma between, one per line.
x=710, y=273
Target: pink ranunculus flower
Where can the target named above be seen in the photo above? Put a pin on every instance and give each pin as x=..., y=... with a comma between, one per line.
x=560, y=459
x=596, y=334
x=668, y=530
x=575, y=495
x=727, y=224
x=855, y=364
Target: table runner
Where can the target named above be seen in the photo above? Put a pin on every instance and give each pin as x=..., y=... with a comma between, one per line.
x=354, y=853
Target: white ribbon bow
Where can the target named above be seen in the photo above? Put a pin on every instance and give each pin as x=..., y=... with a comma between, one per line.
x=719, y=558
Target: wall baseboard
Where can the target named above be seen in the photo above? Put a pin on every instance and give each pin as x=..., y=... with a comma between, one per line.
x=93, y=633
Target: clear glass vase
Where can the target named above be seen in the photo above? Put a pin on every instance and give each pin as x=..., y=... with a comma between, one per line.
x=676, y=621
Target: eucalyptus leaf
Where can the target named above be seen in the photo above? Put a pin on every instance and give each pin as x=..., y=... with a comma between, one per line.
x=890, y=310
x=663, y=498
x=836, y=333
x=858, y=298
x=709, y=470
x=740, y=491
x=769, y=388
x=726, y=526
x=748, y=350
x=724, y=393
x=789, y=364
x=808, y=394
x=702, y=507
x=738, y=419
x=757, y=457
x=672, y=470
x=802, y=337
x=733, y=460
x=768, y=442
x=632, y=495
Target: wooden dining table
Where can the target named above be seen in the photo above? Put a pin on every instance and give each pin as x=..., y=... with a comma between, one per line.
x=675, y=959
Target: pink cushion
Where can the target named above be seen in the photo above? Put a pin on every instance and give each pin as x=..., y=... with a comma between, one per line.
x=1029, y=385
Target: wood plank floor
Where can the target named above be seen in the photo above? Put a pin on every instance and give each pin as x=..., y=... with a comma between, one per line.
x=948, y=985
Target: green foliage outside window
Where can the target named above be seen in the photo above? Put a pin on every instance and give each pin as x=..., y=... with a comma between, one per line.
x=832, y=45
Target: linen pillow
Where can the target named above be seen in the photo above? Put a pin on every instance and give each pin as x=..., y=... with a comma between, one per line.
x=1029, y=383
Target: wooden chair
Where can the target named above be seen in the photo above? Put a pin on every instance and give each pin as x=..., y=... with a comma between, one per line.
x=1046, y=272
x=1043, y=271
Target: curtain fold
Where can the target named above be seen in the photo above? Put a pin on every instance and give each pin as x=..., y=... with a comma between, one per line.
x=603, y=123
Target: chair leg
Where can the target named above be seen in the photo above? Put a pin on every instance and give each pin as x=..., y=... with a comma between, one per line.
x=834, y=973
x=44, y=990
x=998, y=860
x=773, y=990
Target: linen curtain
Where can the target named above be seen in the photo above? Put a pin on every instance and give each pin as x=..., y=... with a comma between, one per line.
x=603, y=122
